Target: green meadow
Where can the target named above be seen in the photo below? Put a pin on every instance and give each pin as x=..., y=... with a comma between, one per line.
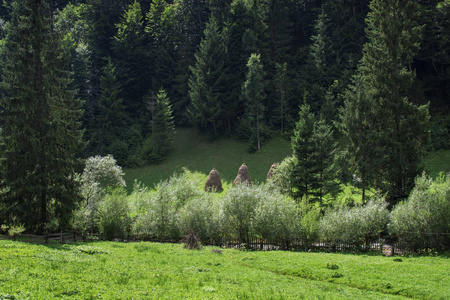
x=144, y=270
x=192, y=151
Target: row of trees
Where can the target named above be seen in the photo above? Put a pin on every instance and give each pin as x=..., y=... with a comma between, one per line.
x=178, y=207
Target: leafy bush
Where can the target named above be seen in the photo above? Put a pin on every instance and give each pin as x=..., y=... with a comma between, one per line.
x=100, y=173
x=425, y=214
x=202, y=215
x=282, y=176
x=158, y=221
x=276, y=218
x=238, y=209
x=355, y=226
x=114, y=220
x=310, y=218
x=156, y=212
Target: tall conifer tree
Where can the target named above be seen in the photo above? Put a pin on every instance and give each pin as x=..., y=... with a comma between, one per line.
x=396, y=127
x=207, y=85
x=39, y=120
x=254, y=95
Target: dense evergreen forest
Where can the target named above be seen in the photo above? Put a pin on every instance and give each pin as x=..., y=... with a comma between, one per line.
x=370, y=77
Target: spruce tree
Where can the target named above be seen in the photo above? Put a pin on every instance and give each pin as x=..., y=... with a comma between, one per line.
x=131, y=56
x=39, y=121
x=254, y=95
x=305, y=166
x=396, y=127
x=163, y=124
x=110, y=118
x=314, y=149
x=208, y=83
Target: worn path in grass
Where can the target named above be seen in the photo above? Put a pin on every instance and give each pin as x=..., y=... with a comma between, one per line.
x=108, y=270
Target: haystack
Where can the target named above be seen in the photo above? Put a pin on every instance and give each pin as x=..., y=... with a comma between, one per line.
x=242, y=176
x=213, y=183
x=270, y=173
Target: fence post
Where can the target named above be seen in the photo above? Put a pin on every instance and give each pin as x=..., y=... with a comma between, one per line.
x=62, y=238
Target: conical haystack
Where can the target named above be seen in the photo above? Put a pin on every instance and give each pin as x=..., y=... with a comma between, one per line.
x=243, y=176
x=213, y=183
x=270, y=173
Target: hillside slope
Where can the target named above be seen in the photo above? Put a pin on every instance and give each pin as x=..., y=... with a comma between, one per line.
x=197, y=155
x=226, y=155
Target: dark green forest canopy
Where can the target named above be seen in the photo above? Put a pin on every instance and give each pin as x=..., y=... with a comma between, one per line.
x=157, y=45
x=190, y=58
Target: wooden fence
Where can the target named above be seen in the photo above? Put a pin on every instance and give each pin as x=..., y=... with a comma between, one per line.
x=387, y=248
x=62, y=238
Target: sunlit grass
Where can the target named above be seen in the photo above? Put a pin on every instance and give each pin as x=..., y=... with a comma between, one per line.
x=145, y=270
x=191, y=151
x=437, y=162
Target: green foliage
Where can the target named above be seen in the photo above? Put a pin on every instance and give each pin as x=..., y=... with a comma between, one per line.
x=13, y=230
x=157, y=212
x=113, y=215
x=99, y=175
x=253, y=95
x=276, y=218
x=239, y=209
x=202, y=216
x=41, y=131
x=356, y=226
x=378, y=104
x=314, y=149
x=209, y=81
x=425, y=214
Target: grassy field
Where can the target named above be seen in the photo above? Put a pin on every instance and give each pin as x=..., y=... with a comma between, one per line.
x=107, y=270
x=197, y=155
x=226, y=155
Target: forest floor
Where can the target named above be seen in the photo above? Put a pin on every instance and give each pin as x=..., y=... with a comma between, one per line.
x=144, y=270
x=192, y=151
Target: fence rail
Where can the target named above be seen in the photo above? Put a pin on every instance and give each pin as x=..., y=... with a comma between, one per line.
x=62, y=237
x=388, y=248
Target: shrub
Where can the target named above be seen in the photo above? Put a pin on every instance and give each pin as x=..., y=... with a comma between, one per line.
x=238, y=209
x=276, y=218
x=310, y=217
x=156, y=212
x=355, y=226
x=100, y=173
x=114, y=220
x=425, y=214
x=158, y=221
x=282, y=176
x=202, y=215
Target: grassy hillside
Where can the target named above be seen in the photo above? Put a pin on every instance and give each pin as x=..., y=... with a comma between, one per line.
x=226, y=155
x=107, y=270
x=197, y=155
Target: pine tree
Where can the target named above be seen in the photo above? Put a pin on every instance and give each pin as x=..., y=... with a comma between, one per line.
x=253, y=95
x=40, y=121
x=396, y=127
x=314, y=148
x=325, y=147
x=207, y=85
x=110, y=119
x=281, y=82
x=303, y=146
x=131, y=56
x=163, y=124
